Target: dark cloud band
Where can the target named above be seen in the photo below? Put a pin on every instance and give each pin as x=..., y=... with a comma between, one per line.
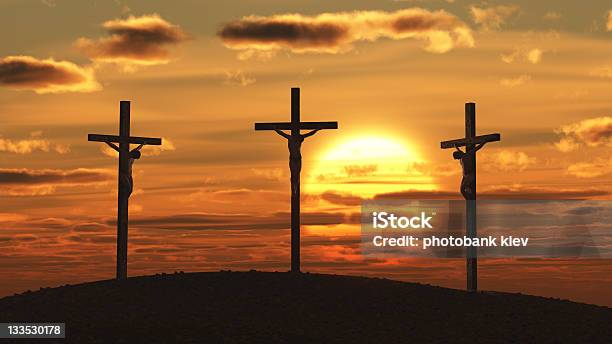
x=336, y=32
x=45, y=76
x=26, y=177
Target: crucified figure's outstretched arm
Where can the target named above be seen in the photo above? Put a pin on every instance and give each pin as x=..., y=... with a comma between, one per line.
x=478, y=147
x=112, y=145
x=310, y=133
x=283, y=134
x=138, y=148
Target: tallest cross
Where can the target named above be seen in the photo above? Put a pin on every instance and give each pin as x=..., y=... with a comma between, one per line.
x=294, y=141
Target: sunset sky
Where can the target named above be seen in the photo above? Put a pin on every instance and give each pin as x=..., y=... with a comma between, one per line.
x=394, y=74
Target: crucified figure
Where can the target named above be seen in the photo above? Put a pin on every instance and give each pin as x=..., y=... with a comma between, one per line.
x=469, y=172
x=127, y=182
x=295, y=155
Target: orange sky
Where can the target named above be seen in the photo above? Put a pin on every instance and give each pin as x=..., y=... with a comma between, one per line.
x=199, y=74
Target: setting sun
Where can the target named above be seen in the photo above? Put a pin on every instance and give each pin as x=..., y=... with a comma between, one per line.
x=365, y=166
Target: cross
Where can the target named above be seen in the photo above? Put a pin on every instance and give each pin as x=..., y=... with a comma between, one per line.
x=294, y=140
x=472, y=144
x=126, y=159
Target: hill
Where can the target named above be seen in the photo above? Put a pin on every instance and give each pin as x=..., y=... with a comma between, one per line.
x=282, y=307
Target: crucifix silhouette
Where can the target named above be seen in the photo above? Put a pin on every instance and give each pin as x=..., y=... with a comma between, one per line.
x=467, y=158
x=294, y=142
x=126, y=183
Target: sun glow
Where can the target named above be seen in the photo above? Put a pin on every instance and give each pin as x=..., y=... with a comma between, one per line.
x=366, y=166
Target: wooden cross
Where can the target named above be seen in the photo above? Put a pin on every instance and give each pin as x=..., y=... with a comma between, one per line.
x=295, y=139
x=125, y=175
x=472, y=144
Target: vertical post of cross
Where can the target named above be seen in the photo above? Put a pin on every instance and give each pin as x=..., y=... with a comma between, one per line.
x=295, y=189
x=123, y=197
x=470, y=204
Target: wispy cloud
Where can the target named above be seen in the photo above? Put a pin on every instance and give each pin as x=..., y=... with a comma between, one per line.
x=46, y=76
x=208, y=221
x=27, y=182
x=32, y=144
x=238, y=78
x=533, y=56
x=49, y=3
x=504, y=192
x=493, y=18
x=593, y=132
x=432, y=169
x=602, y=72
x=341, y=198
x=598, y=168
x=552, y=15
x=337, y=32
x=360, y=170
x=507, y=161
x=515, y=82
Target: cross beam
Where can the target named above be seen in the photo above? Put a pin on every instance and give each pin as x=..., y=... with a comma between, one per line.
x=295, y=140
x=152, y=141
x=125, y=175
x=302, y=126
x=468, y=184
x=470, y=141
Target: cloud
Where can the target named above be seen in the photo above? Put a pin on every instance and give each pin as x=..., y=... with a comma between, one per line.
x=511, y=57
x=435, y=170
x=276, y=174
x=24, y=146
x=609, y=21
x=166, y=146
x=207, y=221
x=90, y=227
x=593, y=132
x=598, y=168
x=46, y=76
x=602, y=72
x=492, y=18
x=552, y=15
x=22, y=182
x=417, y=194
x=35, y=143
x=515, y=82
x=507, y=161
x=49, y=3
x=239, y=78
x=360, y=170
x=341, y=198
x=337, y=32
x=134, y=41
x=567, y=144
x=575, y=94
x=512, y=192
x=534, y=55
x=522, y=192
